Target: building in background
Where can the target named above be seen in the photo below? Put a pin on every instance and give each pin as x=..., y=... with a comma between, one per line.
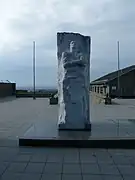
x=108, y=84
x=7, y=89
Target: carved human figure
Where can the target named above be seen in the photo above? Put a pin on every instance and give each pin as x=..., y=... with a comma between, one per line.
x=73, y=77
x=73, y=87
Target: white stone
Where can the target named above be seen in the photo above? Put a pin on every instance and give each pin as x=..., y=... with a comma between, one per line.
x=73, y=80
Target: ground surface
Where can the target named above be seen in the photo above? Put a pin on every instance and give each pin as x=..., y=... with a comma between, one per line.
x=17, y=115
x=66, y=164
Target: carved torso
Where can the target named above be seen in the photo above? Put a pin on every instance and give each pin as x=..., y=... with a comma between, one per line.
x=73, y=99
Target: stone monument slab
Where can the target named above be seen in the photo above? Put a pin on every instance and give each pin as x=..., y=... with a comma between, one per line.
x=73, y=81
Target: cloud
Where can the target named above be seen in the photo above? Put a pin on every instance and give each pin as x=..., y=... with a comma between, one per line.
x=24, y=76
x=106, y=21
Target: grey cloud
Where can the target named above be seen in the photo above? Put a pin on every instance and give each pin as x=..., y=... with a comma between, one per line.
x=23, y=76
x=107, y=23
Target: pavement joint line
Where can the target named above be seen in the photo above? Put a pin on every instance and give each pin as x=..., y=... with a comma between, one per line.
x=80, y=164
x=117, y=168
x=114, y=121
x=5, y=169
x=98, y=166
x=44, y=167
x=26, y=165
x=62, y=166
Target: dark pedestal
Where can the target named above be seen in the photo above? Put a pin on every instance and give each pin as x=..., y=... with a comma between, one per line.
x=103, y=134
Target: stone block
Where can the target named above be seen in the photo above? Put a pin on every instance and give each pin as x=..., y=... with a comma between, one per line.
x=73, y=81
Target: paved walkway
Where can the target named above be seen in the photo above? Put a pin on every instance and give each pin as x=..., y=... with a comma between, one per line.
x=66, y=164
x=126, y=102
x=17, y=115
x=60, y=164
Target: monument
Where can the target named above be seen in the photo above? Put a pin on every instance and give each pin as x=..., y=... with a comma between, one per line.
x=73, y=81
x=73, y=102
x=72, y=98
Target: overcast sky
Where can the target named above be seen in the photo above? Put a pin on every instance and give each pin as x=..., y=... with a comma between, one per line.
x=22, y=21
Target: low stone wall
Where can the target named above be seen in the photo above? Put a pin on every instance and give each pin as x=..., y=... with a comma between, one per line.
x=25, y=95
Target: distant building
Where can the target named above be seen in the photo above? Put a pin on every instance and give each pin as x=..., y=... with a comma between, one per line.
x=109, y=83
x=7, y=88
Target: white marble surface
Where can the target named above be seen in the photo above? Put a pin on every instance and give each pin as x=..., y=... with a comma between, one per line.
x=73, y=80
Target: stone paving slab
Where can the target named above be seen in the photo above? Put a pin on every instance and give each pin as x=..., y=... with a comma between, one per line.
x=29, y=163
x=71, y=177
x=17, y=115
x=59, y=168
x=51, y=177
x=35, y=168
x=17, y=167
x=27, y=176
x=53, y=168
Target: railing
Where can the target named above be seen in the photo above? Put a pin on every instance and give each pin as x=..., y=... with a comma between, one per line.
x=98, y=98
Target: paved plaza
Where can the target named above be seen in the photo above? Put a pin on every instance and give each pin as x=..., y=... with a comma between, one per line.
x=17, y=115
x=66, y=164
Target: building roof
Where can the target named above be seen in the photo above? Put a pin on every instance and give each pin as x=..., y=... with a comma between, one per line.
x=5, y=81
x=108, y=77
